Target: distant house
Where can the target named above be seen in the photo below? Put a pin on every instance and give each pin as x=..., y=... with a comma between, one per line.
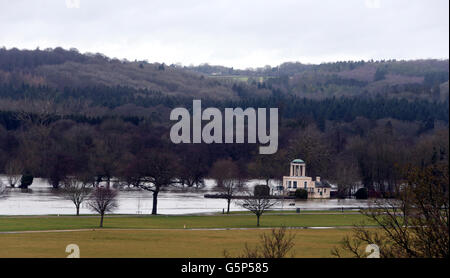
x=298, y=179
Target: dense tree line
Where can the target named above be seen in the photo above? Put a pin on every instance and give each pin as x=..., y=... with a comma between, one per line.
x=291, y=107
x=14, y=58
x=410, y=68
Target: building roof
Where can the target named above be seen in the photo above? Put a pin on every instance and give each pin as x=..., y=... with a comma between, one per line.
x=297, y=161
x=319, y=184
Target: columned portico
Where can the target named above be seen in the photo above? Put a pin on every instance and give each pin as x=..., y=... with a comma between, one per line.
x=298, y=168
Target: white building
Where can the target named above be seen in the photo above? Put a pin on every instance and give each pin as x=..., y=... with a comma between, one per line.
x=298, y=179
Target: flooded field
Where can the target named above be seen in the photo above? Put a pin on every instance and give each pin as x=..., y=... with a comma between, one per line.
x=41, y=199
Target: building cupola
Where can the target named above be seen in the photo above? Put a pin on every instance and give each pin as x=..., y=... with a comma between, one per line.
x=298, y=168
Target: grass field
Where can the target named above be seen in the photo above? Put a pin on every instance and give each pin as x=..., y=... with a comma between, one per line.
x=294, y=212
x=164, y=244
x=165, y=236
x=177, y=222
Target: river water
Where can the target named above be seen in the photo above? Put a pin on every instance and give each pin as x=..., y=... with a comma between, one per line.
x=41, y=199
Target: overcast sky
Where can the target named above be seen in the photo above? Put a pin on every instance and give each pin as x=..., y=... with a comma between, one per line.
x=232, y=33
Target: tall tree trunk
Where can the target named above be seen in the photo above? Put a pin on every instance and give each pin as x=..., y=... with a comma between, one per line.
x=228, y=207
x=257, y=220
x=78, y=210
x=101, y=220
x=155, y=202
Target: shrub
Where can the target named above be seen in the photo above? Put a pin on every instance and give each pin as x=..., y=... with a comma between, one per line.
x=301, y=194
x=26, y=180
x=362, y=193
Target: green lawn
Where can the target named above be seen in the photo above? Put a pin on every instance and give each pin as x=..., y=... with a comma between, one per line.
x=177, y=222
x=294, y=211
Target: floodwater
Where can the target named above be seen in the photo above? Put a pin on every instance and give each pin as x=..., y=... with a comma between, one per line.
x=41, y=199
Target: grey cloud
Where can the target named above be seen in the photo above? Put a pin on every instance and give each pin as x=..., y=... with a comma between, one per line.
x=233, y=33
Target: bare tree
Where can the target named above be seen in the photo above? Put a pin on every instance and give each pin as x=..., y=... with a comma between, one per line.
x=156, y=170
x=268, y=167
x=228, y=179
x=222, y=170
x=35, y=118
x=13, y=171
x=75, y=191
x=229, y=189
x=312, y=146
x=346, y=175
x=257, y=204
x=414, y=226
x=277, y=244
x=194, y=165
x=3, y=190
x=103, y=200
